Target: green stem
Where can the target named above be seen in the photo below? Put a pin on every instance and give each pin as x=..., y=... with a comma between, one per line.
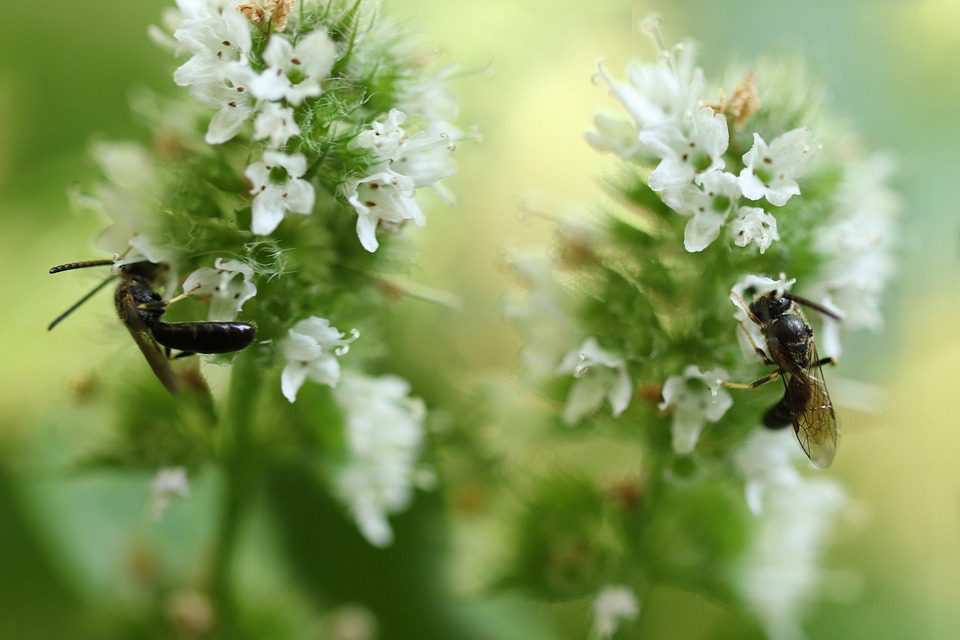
x=237, y=458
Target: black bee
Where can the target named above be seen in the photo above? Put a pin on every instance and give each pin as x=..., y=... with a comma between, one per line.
x=140, y=308
x=791, y=348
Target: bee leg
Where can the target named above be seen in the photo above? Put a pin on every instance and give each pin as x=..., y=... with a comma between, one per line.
x=778, y=416
x=760, y=352
x=823, y=361
x=753, y=385
x=182, y=354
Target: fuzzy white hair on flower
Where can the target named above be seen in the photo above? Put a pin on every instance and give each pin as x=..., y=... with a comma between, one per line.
x=754, y=225
x=276, y=124
x=611, y=607
x=601, y=375
x=696, y=397
x=311, y=349
x=167, y=484
x=384, y=198
x=708, y=202
x=227, y=284
x=687, y=154
x=277, y=188
x=771, y=172
x=744, y=292
x=384, y=436
x=294, y=73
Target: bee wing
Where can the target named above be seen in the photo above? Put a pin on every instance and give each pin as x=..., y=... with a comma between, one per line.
x=148, y=346
x=814, y=420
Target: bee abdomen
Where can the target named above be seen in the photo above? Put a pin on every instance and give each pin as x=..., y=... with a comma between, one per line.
x=205, y=337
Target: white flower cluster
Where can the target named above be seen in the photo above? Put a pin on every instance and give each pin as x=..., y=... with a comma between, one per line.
x=857, y=243
x=780, y=572
x=384, y=434
x=217, y=35
x=127, y=196
x=404, y=163
x=672, y=125
x=546, y=316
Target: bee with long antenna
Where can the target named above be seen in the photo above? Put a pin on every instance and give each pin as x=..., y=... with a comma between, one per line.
x=791, y=348
x=140, y=308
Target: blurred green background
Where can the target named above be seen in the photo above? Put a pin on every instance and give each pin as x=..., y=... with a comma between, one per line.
x=892, y=69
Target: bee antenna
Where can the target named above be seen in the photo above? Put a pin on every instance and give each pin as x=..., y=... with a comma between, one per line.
x=813, y=305
x=70, y=266
x=79, y=302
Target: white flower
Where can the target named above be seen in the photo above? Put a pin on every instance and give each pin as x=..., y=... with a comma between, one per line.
x=613, y=605
x=384, y=197
x=600, y=375
x=545, y=317
x=277, y=189
x=168, y=484
x=295, y=73
x=685, y=154
x=766, y=462
x=661, y=93
x=744, y=292
x=753, y=224
x=384, y=137
x=779, y=573
x=384, y=433
x=708, y=204
x=857, y=244
x=616, y=135
x=771, y=172
x=227, y=292
x=276, y=123
x=696, y=398
x=216, y=41
x=229, y=94
x=311, y=349
x=427, y=157
x=128, y=196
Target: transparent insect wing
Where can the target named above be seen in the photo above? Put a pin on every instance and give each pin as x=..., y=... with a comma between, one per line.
x=815, y=421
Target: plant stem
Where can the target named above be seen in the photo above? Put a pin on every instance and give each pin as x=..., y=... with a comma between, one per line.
x=239, y=478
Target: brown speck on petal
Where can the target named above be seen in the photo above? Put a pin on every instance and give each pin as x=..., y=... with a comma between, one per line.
x=370, y=203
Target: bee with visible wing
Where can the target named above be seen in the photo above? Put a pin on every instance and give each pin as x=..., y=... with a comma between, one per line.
x=140, y=308
x=791, y=348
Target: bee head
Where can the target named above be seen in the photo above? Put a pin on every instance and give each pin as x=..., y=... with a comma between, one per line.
x=769, y=306
x=145, y=271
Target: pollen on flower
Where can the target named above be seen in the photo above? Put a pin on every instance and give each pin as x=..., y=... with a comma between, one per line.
x=743, y=102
